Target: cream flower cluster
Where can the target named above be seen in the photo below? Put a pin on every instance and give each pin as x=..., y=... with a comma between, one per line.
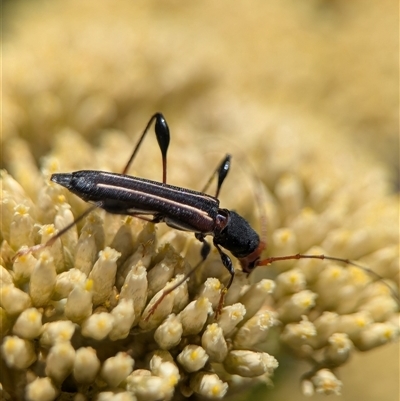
x=75, y=316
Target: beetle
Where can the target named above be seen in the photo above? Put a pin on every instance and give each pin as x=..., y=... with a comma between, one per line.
x=179, y=208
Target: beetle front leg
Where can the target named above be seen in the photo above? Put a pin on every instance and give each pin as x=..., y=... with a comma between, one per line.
x=227, y=262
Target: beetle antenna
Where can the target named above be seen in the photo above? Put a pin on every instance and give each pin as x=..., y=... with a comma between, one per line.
x=378, y=277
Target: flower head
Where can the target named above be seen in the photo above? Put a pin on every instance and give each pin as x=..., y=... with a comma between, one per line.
x=76, y=314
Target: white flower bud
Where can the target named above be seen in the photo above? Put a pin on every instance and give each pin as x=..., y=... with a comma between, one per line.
x=162, y=364
x=63, y=218
x=353, y=324
x=41, y=389
x=148, y=388
x=117, y=368
x=18, y=353
x=325, y=382
x=79, y=302
x=85, y=252
x=67, y=281
x=169, y=333
x=103, y=275
x=161, y=311
x=254, y=331
x=43, y=280
x=298, y=334
x=60, y=361
x=377, y=334
x=181, y=297
x=28, y=324
x=21, y=228
x=249, y=363
x=94, y=225
x=214, y=343
x=98, y=326
x=13, y=300
x=192, y=358
x=86, y=365
x=325, y=325
x=143, y=253
x=284, y=241
x=23, y=267
x=208, y=385
x=237, y=289
x=381, y=307
x=55, y=251
x=289, y=282
x=55, y=332
x=296, y=305
x=124, y=316
x=339, y=349
x=230, y=317
x=123, y=240
x=195, y=315
x=255, y=296
x=135, y=288
x=329, y=284
x=161, y=273
x=212, y=291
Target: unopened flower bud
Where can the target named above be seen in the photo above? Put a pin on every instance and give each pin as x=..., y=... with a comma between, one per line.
x=117, y=368
x=192, y=358
x=231, y=316
x=255, y=296
x=79, y=302
x=43, y=280
x=147, y=387
x=289, y=282
x=169, y=333
x=254, y=331
x=28, y=324
x=98, y=326
x=86, y=365
x=13, y=300
x=60, y=361
x=21, y=228
x=377, y=334
x=41, y=389
x=135, y=288
x=195, y=315
x=208, y=385
x=339, y=348
x=162, y=364
x=124, y=316
x=249, y=363
x=103, y=275
x=325, y=382
x=214, y=343
x=54, y=332
x=297, y=305
x=18, y=353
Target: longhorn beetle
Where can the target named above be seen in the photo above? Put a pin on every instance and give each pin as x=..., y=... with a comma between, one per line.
x=179, y=208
